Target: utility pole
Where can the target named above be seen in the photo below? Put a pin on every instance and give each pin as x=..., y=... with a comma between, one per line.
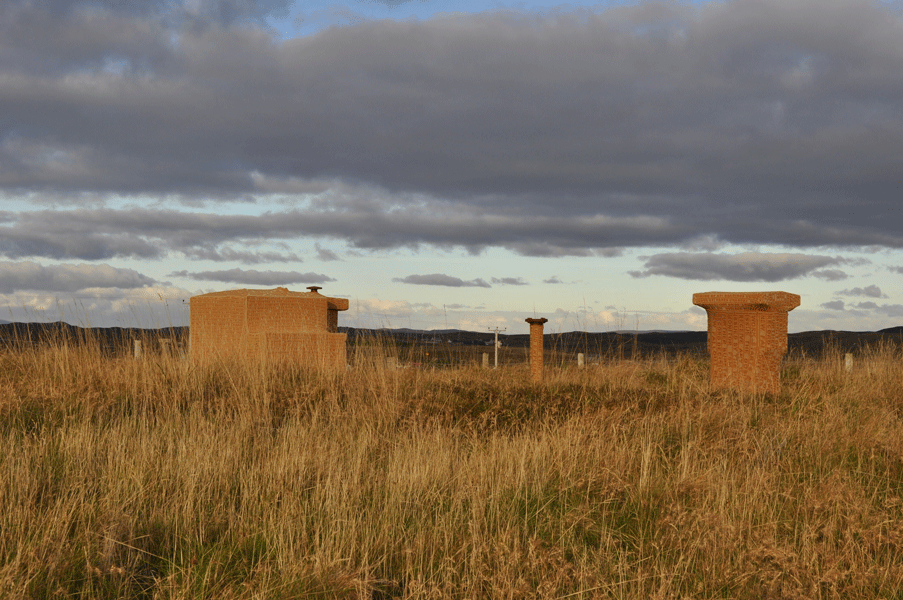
x=497, y=344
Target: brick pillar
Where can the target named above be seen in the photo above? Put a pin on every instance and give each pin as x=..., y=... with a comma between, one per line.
x=747, y=337
x=536, y=348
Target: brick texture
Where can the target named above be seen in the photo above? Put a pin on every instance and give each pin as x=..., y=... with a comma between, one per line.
x=268, y=325
x=536, y=348
x=747, y=337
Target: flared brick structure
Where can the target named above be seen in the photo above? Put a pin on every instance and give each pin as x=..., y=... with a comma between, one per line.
x=536, y=348
x=747, y=337
x=268, y=325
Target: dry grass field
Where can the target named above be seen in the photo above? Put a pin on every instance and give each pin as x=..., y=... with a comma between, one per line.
x=159, y=479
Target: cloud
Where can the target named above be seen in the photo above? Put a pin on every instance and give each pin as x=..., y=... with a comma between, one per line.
x=830, y=274
x=872, y=291
x=440, y=279
x=376, y=313
x=252, y=277
x=694, y=125
x=152, y=306
x=707, y=243
x=69, y=278
x=326, y=254
x=866, y=305
x=334, y=15
x=221, y=11
x=509, y=281
x=552, y=279
x=95, y=234
x=891, y=310
x=44, y=234
x=746, y=266
x=247, y=257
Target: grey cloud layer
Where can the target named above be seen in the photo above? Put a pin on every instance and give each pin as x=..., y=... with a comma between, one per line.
x=95, y=234
x=17, y=276
x=253, y=277
x=221, y=252
x=325, y=254
x=441, y=279
x=509, y=281
x=860, y=308
x=759, y=121
x=99, y=234
x=746, y=266
x=871, y=291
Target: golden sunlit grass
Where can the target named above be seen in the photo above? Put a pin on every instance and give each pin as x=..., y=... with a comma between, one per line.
x=156, y=478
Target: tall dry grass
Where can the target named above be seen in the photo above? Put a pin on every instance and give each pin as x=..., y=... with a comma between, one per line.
x=156, y=478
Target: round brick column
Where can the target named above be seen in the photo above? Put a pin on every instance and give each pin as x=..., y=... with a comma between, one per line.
x=536, y=348
x=747, y=337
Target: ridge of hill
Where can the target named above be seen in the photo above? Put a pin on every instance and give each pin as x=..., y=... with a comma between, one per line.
x=809, y=343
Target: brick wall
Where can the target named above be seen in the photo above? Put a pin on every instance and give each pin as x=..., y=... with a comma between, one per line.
x=288, y=315
x=318, y=349
x=218, y=326
x=268, y=325
x=536, y=348
x=747, y=337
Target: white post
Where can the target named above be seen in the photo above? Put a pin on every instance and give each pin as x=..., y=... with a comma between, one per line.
x=580, y=360
x=391, y=363
x=485, y=360
x=497, y=344
x=496, y=348
x=848, y=362
x=137, y=350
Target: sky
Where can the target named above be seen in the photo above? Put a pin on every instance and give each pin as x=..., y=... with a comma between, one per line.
x=452, y=164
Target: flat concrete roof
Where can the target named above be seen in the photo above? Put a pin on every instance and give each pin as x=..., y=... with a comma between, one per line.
x=279, y=292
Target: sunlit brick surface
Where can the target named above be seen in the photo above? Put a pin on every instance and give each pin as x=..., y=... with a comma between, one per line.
x=747, y=337
x=272, y=325
x=536, y=358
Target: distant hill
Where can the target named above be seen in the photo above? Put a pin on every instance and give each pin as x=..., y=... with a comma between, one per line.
x=111, y=340
x=117, y=340
x=809, y=343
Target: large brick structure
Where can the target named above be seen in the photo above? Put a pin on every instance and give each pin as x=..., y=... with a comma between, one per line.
x=747, y=337
x=269, y=325
x=536, y=348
